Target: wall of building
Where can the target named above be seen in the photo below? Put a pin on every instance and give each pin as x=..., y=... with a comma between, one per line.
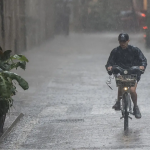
x=25, y=23
x=12, y=28
x=40, y=21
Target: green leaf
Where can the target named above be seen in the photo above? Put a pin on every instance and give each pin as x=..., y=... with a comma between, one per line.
x=14, y=76
x=22, y=65
x=5, y=86
x=19, y=57
x=19, y=64
x=7, y=54
x=5, y=66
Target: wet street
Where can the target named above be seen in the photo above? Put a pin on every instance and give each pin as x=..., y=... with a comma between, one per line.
x=69, y=105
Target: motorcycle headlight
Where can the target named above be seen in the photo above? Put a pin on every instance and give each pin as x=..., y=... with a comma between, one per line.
x=125, y=88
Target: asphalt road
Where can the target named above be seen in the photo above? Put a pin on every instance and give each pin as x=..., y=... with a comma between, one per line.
x=69, y=106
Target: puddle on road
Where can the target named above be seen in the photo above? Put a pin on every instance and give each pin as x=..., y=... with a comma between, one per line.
x=130, y=137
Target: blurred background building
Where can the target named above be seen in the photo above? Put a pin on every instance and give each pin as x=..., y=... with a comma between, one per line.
x=25, y=24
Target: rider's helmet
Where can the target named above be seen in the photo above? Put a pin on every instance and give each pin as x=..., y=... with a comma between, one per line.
x=123, y=37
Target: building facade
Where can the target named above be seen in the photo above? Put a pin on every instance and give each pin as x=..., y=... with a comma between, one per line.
x=25, y=23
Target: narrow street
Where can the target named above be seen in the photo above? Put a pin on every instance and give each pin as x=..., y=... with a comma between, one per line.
x=68, y=105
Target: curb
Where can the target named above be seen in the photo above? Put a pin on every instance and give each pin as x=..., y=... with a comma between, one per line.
x=7, y=131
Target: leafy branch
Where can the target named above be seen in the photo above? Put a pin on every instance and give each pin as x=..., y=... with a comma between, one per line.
x=8, y=62
x=7, y=87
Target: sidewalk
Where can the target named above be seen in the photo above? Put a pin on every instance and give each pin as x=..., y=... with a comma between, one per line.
x=68, y=105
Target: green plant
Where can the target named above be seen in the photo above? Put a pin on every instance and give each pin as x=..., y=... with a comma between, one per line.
x=8, y=62
x=7, y=87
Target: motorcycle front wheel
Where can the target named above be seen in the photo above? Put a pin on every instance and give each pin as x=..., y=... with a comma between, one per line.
x=126, y=113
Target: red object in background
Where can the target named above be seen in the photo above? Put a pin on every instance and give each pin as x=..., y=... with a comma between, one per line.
x=143, y=15
x=144, y=35
x=145, y=27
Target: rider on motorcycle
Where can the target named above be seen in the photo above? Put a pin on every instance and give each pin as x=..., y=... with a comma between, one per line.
x=127, y=56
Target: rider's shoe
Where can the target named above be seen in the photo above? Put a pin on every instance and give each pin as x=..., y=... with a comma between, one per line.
x=136, y=112
x=117, y=105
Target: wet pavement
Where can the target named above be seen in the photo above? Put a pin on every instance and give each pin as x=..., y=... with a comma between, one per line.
x=68, y=105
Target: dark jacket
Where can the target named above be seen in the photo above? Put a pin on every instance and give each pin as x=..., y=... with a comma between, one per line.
x=125, y=58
